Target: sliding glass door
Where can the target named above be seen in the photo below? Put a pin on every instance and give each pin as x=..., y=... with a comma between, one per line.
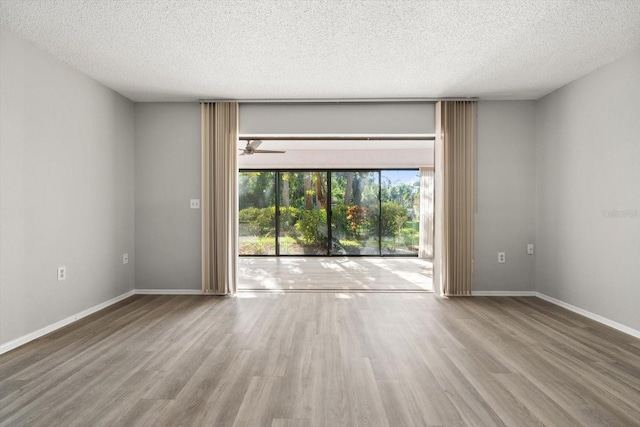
x=330, y=212
x=355, y=213
x=303, y=213
x=400, y=197
x=257, y=213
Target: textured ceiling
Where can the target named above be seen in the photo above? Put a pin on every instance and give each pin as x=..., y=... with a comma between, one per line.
x=172, y=50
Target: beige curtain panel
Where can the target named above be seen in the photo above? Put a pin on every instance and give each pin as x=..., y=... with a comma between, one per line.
x=425, y=249
x=219, y=202
x=458, y=127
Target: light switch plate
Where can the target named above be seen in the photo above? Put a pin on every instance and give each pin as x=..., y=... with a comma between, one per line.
x=125, y=258
x=530, y=249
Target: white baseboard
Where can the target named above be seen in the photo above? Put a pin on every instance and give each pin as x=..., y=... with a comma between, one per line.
x=590, y=315
x=503, y=293
x=62, y=323
x=168, y=292
x=600, y=319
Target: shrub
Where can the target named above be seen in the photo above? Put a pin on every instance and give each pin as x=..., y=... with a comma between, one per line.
x=258, y=221
x=248, y=214
x=339, y=220
x=353, y=220
x=288, y=218
x=312, y=226
x=262, y=221
x=409, y=236
x=393, y=218
x=247, y=220
x=357, y=216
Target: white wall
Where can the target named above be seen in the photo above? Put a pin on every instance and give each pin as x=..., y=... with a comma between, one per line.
x=588, y=192
x=505, y=218
x=66, y=190
x=167, y=171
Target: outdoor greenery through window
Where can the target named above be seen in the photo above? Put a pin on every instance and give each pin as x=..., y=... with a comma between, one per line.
x=328, y=212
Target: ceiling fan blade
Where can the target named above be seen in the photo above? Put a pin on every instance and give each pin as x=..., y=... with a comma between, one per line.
x=269, y=151
x=254, y=143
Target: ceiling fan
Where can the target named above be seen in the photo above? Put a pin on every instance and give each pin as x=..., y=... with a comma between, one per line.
x=252, y=148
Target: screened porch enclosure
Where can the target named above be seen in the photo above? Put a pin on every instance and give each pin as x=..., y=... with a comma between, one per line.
x=329, y=212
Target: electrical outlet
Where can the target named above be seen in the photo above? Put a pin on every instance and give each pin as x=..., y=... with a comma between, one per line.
x=125, y=258
x=195, y=204
x=502, y=258
x=530, y=249
x=62, y=273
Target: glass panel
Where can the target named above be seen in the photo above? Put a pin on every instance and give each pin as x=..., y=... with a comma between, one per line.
x=355, y=209
x=256, y=215
x=303, y=213
x=355, y=212
x=400, y=212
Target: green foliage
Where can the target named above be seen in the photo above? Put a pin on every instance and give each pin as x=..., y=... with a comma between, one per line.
x=288, y=219
x=350, y=244
x=393, y=218
x=263, y=246
x=409, y=236
x=258, y=221
x=299, y=187
x=339, y=220
x=266, y=246
x=353, y=221
x=415, y=225
x=355, y=210
x=262, y=221
x=403, y=194
x=248, y=214
x=312, y=226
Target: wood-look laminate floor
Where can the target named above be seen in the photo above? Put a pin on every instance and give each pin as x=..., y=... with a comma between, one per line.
x=335, y=273
x=325, y=359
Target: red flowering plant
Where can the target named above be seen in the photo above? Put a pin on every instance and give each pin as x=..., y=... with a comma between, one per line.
x=356, y=216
